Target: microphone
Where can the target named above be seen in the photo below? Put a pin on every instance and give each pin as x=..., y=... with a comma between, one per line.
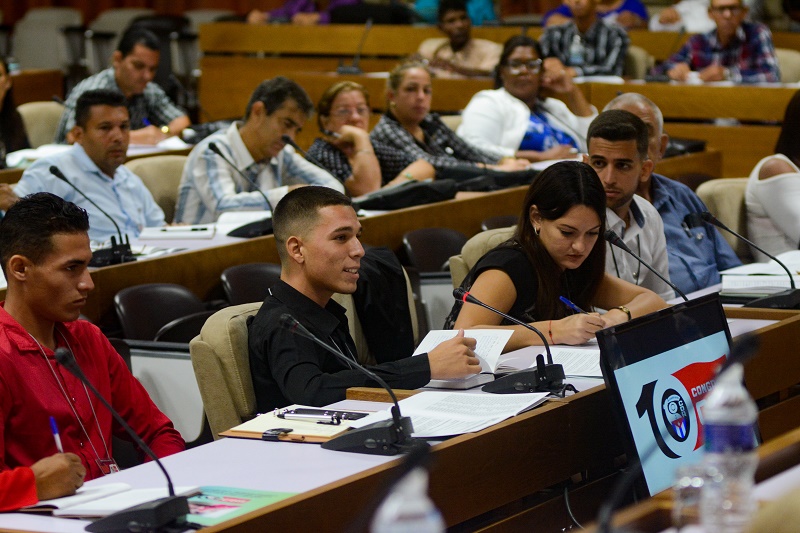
x=543, y=378
x=743, y=348
x=253, y=229
x=612, y=238
x=288, y=140
x=148, y=516
x=388, y=437
x=788, y=299
x=354, y=69
x=119, y=253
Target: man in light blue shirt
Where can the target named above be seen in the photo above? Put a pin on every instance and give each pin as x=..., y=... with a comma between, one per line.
x=211, y=186
x=94, y=165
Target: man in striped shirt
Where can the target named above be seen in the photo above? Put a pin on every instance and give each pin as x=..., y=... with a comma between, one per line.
x=153, y=115
x=584, y=46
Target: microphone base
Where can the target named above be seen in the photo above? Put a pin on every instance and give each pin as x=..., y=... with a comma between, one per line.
x=380, y=438
x=259, y=228
x=149, y=516
x=116, y=255
x=788, y=299
x=528, y=381
x=349, y=69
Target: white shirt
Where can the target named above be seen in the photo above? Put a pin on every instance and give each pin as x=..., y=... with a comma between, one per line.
x=773, y=209
x=645, y=236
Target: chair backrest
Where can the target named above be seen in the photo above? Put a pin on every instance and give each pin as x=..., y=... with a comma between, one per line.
x=113, y=22
x=638, y=63
x=789, y=64
x=38, y=41
x=197, y=17
x=161, y=175
x=452, y=121
x=183, y=329
x=41, y=121
x=725, y=200
x=250, y=282
x=144, y=309
x=500, y=221
x=220, y=357
x=221, y=362
x=474, y=249
x=429, y=249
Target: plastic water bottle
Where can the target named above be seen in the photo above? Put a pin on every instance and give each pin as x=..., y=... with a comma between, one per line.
x=576, y=52
x=408, y=509
x=726, y=500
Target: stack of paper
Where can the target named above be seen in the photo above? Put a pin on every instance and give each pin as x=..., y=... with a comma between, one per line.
x=443, y=414
x=759, y=278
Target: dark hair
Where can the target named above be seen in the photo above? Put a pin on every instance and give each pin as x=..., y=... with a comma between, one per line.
x=89, y=99
x=12, y=129
x=618, y=125
x=789, y=140
x=275, y=92
x=512, y=44
x=330, y=94
x=297, y=212
x=450, y=5
x=29, y=225
x=555, y=191
x=138, y=35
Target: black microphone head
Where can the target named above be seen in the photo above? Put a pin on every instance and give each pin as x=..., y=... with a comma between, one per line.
x=214, y=148
x=55, y=171
x=611, y=236
x=64, y=357
x=708, y=217
x=288, y=140
x=694, y=220
x=288, y=321
x=459, y=293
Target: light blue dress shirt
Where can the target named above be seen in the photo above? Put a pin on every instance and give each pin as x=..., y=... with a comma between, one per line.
x=125, y=198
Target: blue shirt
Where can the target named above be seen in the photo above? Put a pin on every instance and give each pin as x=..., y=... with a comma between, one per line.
x=696, y=255
x=541, y=136
x=125, y=198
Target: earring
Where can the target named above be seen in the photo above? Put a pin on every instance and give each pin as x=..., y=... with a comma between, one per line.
x=537, y=230
x=392, y=105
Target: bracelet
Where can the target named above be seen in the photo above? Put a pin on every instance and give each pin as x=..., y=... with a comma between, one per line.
x=624, y=310
x=550, y=332
x=409, y=176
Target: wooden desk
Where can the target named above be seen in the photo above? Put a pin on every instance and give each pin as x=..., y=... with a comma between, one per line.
x=38, y=85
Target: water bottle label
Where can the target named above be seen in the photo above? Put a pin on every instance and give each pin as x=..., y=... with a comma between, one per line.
x=720, y=438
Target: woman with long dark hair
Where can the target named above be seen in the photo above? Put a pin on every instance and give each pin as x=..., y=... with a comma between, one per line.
x=556, y=251
x=12, y=131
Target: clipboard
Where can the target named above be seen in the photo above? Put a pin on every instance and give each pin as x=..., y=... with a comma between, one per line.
x=270, y=427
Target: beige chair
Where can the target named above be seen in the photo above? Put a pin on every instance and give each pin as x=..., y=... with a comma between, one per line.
x=41, y=121
x=161, y=174
x=222, y=368
x=38, y=41
x=725, y=200
x=451, y=121
x=789, y=63
x=638, y=63
x=476, y=248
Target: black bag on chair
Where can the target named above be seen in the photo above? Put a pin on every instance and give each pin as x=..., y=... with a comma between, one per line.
x=408, y=195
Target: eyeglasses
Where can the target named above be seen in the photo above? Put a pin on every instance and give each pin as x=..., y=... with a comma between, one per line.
x=735, y=10
x=533, y=66
x=346, y=112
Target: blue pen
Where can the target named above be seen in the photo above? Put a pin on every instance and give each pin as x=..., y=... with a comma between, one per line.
x=56, y=435
x=572, y=305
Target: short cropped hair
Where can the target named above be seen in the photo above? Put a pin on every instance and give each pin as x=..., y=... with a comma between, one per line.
x=275, y=92
x=298, y=211
x=618, y=125
x=89, y=99
x=29, y=225
x=135, y=36
x=446, y=6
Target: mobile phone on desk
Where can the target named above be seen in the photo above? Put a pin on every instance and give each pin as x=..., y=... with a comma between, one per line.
x=315, y=414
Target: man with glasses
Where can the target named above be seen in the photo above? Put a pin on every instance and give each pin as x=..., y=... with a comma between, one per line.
x=585, y=45
x=210, y=185
x=736, y=50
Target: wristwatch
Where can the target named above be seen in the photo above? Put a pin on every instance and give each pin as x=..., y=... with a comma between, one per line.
x=165, y=129
x=624, y=310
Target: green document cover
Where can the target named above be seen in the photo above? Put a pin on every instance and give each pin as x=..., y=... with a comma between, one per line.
x=215, y=505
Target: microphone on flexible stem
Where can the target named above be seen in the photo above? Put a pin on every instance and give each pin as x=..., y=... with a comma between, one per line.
x=387, y=437
x=119, y=253
x=288, y=140
x=253, y=229
x=788, y=299
x=147, y=516
x=543, y=378
x=612, y=238
x=354, y=69
x=743, y=348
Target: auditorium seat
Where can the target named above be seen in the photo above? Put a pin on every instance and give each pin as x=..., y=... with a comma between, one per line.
x=725, y=200
x=501, y=221
x=161, y=175
x=41, y=121
x=250, y=282
x=144, y=309
x=429, y=249
x=474, y=249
